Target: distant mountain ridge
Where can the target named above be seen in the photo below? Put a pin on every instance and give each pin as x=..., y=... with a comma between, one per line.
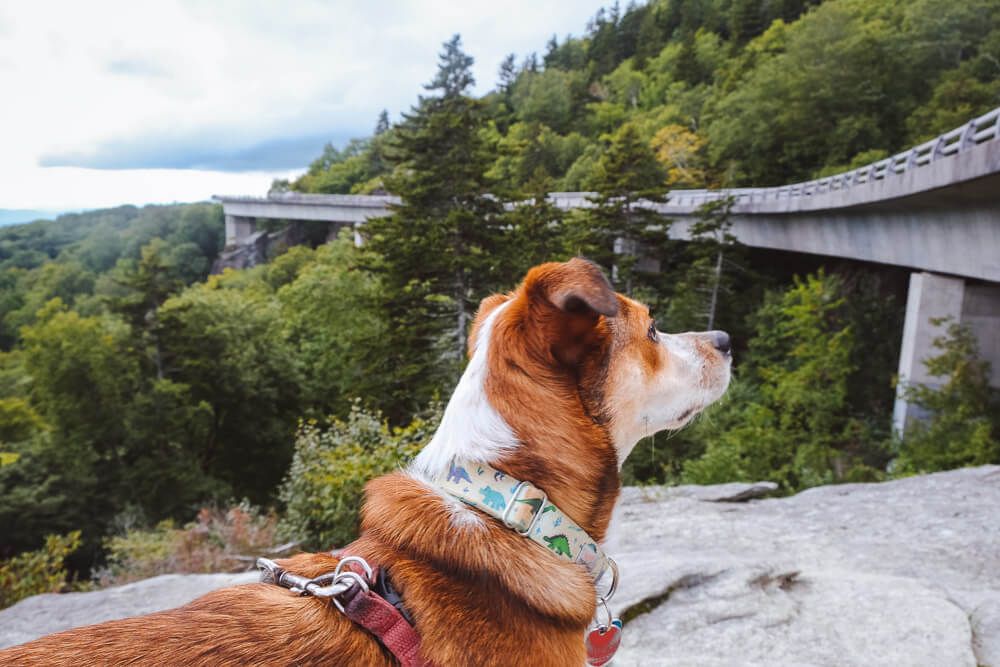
x=18, y=216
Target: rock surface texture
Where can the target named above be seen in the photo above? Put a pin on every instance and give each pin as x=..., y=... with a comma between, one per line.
x=899, y=573
x=903, y=573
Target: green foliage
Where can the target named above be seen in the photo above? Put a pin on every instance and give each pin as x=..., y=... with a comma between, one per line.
x=535, y=229
x=962, y=428
x=531, y=150
x=794, y=425
x=35, y=572
x=550, y=97
x=329, y=320
x=848, y=75
x=323, y=489
x=81, y=258
x=111, y=435
x=343, y=171
x=227, y=349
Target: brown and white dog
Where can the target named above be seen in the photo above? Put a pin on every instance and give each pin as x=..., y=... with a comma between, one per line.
x=565, y=377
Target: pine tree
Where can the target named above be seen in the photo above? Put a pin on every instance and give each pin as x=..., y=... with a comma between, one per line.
x=551, y=52
x=620, y=228
x=687, y=68
x=745, y=21
x=536, y=227
x=530, y=63
x=503, y=111
x=711, y=259
x=507, y=74
x=376, y=151
x=382, y=125
x=454, y=75
x=434, y=254
x=652, y=37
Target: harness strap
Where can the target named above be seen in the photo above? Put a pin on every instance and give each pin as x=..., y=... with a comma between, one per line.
x=350, y=592
x=382, y=619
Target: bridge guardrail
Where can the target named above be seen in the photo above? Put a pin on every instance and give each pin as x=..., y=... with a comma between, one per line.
x=975, y=132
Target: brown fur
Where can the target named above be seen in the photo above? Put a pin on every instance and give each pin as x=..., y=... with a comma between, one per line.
x=480, y=595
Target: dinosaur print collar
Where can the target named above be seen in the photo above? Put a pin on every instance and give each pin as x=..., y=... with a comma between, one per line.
x=525, y=508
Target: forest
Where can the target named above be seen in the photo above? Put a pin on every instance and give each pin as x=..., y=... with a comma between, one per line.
x=157, y=417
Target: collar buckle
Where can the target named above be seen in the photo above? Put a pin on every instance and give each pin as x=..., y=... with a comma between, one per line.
x=526, y=505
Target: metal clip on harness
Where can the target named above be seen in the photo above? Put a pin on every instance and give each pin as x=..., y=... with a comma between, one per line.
x=330, y=585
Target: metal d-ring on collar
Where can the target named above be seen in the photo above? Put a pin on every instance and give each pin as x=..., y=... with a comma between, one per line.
x=614, y=582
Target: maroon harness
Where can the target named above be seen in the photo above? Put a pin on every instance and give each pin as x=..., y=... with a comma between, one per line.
x=357, y=595
x=380, y=617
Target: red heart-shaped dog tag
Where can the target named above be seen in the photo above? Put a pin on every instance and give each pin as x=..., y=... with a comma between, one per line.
x=602, y=643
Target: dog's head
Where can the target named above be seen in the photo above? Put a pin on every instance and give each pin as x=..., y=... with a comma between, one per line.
x=603, y=348
x=565, y=376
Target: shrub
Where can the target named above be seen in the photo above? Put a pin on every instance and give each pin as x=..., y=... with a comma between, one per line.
x=962, y=428
x=331, y=465
x=40, y=571
x=216, y=541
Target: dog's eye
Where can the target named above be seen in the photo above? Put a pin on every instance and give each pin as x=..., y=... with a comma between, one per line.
x=652, y=331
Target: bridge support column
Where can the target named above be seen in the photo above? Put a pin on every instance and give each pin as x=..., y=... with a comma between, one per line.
x=238, y=229
x=933, y=296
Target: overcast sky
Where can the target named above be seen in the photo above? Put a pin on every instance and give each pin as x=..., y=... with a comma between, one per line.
x=107, y=103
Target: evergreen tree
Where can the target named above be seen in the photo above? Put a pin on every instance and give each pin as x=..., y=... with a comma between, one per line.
x=503, y=109
x=702, y=291
x=629, y=29
x=746, y=21
x=507, y=74
x=551, y=52
x=382, y=125
x=536, y=228
x=434, y=254
x=454, y=75
x=378, y=164
x=530, y=63
x=620, y=229
x=651, y=37
x=604, y=50
x=687, y=67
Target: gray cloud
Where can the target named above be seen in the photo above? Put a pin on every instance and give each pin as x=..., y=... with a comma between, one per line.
x=201, y=152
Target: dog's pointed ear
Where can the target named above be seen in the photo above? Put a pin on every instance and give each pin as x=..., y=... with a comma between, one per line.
x=578, y=287
x=567, y=301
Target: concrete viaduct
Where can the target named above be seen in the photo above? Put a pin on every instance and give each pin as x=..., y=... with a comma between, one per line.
x=934, y=209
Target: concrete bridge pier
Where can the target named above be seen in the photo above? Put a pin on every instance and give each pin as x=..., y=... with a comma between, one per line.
x=932, y=296
x=238, y=229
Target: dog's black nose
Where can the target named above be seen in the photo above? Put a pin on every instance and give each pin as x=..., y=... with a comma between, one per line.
x=720, y=339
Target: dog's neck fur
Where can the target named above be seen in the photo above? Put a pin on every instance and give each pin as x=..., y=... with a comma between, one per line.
x=403, y=515
x=470, y=427
x=514, y=412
